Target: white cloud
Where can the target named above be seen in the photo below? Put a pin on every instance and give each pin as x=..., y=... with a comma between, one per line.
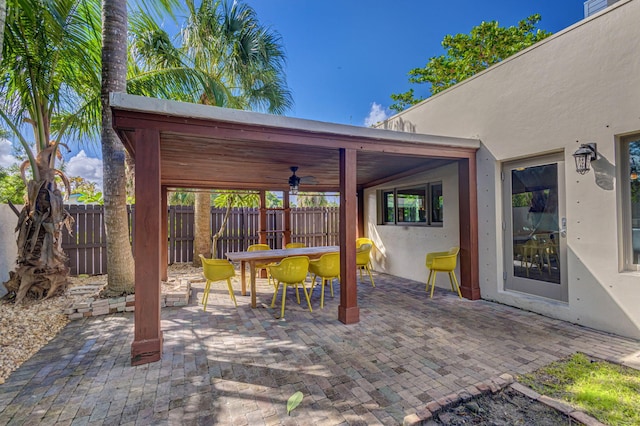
x=89, y=168
x=6, y=154
x=376, y=115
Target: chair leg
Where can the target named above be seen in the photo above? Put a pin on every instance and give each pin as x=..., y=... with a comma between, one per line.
x=433, y=283
x=322, y=294
x=298, y=293
x=205, y=296
x=313, y=283
x=306, y=294
x=454, y=282
x=284, y=298
x=275, y=294
x=331, y=285
x=233, y=296
x=370, y=276
x=428, y=281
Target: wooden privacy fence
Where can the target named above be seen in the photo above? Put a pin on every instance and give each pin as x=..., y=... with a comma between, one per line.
x=87, y=248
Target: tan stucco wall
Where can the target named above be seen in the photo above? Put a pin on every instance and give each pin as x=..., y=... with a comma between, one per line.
x=401, y=250
x=581, y=85
x=8, y=248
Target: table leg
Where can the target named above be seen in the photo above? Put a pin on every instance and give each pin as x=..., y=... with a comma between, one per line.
x=252, y=271
x=243, y=278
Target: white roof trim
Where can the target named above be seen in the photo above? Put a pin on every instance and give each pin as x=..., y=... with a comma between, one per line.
x=126, y=102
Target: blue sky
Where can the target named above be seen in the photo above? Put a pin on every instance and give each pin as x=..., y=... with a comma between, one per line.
x=345, y=58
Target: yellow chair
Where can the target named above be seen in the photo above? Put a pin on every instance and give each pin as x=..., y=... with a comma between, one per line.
x=295, y=245
x=290, y=271
x=362, y=240
x=327, y=268
x=217, y=270
x=259, y=267
x=363, y=256
x=443, y=261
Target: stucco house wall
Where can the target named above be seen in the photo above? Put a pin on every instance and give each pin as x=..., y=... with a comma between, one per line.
x=580, y=85
x=398, y=249
x=8, y=248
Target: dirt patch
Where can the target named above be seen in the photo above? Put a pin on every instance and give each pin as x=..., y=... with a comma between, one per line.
x=507, y=407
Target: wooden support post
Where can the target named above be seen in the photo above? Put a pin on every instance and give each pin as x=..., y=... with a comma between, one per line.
x=164, y=229
x=286, y=219
x=348, y=311
x=468, y=201
x=361, y=213
x=147, y=343
x=262, y=233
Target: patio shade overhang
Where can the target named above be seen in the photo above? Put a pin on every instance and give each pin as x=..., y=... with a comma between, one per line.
x=181, y=145
x=211, y=147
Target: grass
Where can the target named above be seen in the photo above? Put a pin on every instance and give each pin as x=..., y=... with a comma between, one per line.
x=606, y=391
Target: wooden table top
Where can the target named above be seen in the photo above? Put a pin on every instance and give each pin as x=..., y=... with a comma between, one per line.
x=281, y=253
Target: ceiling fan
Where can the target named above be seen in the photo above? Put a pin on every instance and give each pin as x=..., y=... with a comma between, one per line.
x=295, y=180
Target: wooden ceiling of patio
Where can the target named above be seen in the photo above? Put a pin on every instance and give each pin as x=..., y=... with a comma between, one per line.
x=208, y=153
x=251, y=165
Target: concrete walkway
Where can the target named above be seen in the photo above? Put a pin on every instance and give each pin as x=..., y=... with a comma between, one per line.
x=239, y=366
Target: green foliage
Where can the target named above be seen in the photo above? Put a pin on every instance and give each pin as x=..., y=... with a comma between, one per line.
x=50, y=66
x=87, y=190
x=182, y=198
x=236, y=199
x=606, y=391
x=294, y=401
x=91, y=198
x=223, y=56
x=12, y=186
x=468, y=54
x=273, y=200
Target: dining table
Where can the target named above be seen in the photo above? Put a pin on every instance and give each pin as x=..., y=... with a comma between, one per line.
x=262, y=257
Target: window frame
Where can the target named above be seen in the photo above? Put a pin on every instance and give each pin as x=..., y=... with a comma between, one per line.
x=428, y=188
x=624, y=194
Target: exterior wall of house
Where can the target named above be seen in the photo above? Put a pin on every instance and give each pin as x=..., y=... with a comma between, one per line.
x=401, y=249
x=8, y=248
x=580, y=85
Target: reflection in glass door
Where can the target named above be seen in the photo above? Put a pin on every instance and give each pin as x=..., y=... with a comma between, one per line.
x=535, y=228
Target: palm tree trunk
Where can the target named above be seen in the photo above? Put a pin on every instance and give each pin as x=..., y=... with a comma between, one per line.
x=120, y=266
x=42, y=270
x=201, y=229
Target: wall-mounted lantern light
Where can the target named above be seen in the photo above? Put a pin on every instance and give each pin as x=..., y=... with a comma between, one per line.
x=294, y=182
x=584, y=156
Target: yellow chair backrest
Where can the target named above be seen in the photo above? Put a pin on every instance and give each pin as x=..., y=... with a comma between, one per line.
x=217, y=269
x=442, y=260
x=327, y=266
x=291, y=269
x=362, y=254
x=258, y=247
x=362, y=240
x=295, y=245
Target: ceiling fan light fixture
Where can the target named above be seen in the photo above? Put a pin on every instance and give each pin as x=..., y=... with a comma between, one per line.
x=294, y=182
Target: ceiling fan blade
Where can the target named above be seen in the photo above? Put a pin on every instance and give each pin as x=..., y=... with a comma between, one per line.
x=308, y=179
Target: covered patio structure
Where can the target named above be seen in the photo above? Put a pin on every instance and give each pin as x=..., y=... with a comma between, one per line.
x=180, y=145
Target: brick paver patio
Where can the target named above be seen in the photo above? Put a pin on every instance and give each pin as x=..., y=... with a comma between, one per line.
x=239, y=366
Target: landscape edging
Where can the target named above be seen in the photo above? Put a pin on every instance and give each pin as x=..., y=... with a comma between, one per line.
x=94, y=306
x=494, y=385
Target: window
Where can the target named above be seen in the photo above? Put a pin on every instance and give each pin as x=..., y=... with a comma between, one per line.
x=631, y=198
x=414, y=205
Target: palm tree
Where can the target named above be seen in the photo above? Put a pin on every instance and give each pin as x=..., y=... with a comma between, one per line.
x=47, y=68
x=237, y=63
x=120, y=264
